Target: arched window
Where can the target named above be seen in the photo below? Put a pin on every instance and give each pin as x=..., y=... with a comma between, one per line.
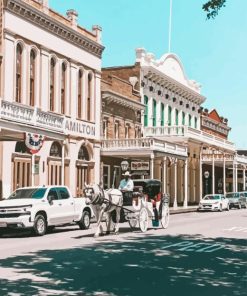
x=176, y=117
x=56, y=150
x=79, y=111
x=146, y=111
x=18, y=73
x=32, y=77
x=89, y=97
x=83, y=153
x=21, y=147
x=63, y=85
x=169, y=115
x=154, y=112
x=52, y=84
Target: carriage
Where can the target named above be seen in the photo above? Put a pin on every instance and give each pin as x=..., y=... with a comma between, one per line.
x=145, y=205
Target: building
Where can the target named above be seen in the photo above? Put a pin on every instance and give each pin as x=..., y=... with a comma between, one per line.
x=50, y=90
x=174, y=117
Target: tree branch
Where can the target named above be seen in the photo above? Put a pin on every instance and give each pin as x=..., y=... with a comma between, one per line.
x=212, y=7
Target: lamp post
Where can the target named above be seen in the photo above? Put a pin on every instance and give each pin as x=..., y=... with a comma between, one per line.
x=124, y=165
x=206, y=176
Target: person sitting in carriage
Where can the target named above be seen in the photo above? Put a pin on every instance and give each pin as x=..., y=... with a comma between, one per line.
x=127, y=186
x=153, y=195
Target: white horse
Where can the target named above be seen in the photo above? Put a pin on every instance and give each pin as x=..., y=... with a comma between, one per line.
x=104, y=202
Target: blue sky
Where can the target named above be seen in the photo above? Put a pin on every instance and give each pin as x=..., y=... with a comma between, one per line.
x=212, y=52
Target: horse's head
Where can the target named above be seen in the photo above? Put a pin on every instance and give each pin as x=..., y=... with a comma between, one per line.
x=92, y=193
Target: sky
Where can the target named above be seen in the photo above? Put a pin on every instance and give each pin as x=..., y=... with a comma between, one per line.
x=213, y=52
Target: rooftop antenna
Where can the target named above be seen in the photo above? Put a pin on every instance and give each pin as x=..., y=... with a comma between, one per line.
x=170, y=28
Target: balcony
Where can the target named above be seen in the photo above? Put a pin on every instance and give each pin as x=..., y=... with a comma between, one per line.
x=131, y=147
x=190, y=133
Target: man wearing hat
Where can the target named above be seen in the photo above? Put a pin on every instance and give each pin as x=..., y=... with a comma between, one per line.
x=126, y=184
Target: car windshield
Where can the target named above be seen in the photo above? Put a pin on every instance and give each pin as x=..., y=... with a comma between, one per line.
x=211, y=197
x=232, y=195
x=36, y=193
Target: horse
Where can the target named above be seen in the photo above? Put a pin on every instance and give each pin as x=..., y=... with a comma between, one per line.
x=104, y=202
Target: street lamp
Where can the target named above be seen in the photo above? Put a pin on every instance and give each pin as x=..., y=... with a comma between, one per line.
x=124, y=165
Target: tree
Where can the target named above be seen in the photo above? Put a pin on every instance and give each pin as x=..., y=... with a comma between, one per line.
x=212, y=7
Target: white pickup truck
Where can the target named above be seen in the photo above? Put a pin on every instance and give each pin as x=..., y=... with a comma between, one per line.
x=40, y=208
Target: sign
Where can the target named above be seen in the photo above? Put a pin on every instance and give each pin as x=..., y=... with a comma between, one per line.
x=79, y=128
x=34, y=142
x=139, y=165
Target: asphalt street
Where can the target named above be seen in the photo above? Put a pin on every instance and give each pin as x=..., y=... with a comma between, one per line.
x=199, y=254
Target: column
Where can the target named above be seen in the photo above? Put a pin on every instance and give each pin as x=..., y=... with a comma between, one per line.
x=233, y=177
x=9, y=68
x=151, y=166
x=97, y=105
x=244, y=181
x=33, y=168
x=200, y=174
x=44, y=100
x=185, y=183
x=175, y=204
x=213, y=175
x=224, y=174
x=62, y=163
x=73, y=102
x=236, y=178
x=164, y=175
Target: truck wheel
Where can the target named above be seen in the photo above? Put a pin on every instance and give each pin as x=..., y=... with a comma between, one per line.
x=85, y=220
x=40, y=225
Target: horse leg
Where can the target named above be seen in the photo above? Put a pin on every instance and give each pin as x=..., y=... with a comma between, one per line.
x=117, y=220
x=109, y=220
x=99, y=226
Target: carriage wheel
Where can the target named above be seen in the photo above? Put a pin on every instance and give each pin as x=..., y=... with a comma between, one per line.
x=165, y=217
x=133, y=223
x=143, y=220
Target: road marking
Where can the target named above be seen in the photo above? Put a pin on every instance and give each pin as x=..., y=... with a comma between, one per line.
x=236, y=229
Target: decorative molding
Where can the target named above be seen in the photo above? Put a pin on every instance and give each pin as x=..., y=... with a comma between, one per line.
x=44, y=21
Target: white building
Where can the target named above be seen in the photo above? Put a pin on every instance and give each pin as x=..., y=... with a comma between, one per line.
x=50, y=86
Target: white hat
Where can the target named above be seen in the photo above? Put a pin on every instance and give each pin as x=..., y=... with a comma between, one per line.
x=127, y=174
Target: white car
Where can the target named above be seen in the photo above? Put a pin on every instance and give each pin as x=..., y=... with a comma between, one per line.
x=40, y=208
x=214, y=202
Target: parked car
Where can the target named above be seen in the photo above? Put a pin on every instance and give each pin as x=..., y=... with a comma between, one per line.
x=40, y=208
x=214, y=202
x=237, y=199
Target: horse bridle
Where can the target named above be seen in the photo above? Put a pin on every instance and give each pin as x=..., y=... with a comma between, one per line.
x=99, y=199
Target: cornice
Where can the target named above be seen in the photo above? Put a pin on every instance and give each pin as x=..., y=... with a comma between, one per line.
x=44, y=21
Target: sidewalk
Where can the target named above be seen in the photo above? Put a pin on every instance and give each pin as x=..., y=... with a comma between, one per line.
x=181, y=210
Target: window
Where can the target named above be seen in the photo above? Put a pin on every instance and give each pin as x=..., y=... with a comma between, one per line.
x=63, y=192
x=79, y=111
x=53, y=194
x=52, y=82
x=190, y=120
x=127, y=128
x=176, y=116
x=21, y=147
x=169, y=115
x=162, y=114
x=195, y=122
x=83, y=154
x=105, y=128
x=183, y=118
x=18, y=73
x=89, y=98
x=116, y=129
x=32, y=77
x=56, y=150
x=63, y=84
x=146, y=111
x=154, y=113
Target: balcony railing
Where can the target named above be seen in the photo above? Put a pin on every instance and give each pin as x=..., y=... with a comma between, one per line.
x=188, y=132
x=118, y=145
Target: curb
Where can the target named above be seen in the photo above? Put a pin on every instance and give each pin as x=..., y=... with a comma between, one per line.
x=182, y=211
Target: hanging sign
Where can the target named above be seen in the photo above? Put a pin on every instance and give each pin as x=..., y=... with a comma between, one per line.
x=34, y=142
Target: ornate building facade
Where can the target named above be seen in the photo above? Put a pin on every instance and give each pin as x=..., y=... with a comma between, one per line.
x=50, y=87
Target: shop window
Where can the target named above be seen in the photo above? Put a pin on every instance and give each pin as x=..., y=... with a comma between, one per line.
x=32, y=77
x=18, y=73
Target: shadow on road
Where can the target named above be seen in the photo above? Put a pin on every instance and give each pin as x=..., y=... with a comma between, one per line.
x=147, y=265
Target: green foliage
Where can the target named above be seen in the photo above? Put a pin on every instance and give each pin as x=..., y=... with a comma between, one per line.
x=212, y=7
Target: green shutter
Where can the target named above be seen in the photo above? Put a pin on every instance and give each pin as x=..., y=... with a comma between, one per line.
x=162, y=115
x=189, y=120
x=169, y=115
x=195, y=122
x=183, y=118
x=154, y=113
x=146, y=111
x=176, y=117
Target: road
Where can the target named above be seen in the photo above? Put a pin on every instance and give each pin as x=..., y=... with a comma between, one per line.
x=199, y=254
